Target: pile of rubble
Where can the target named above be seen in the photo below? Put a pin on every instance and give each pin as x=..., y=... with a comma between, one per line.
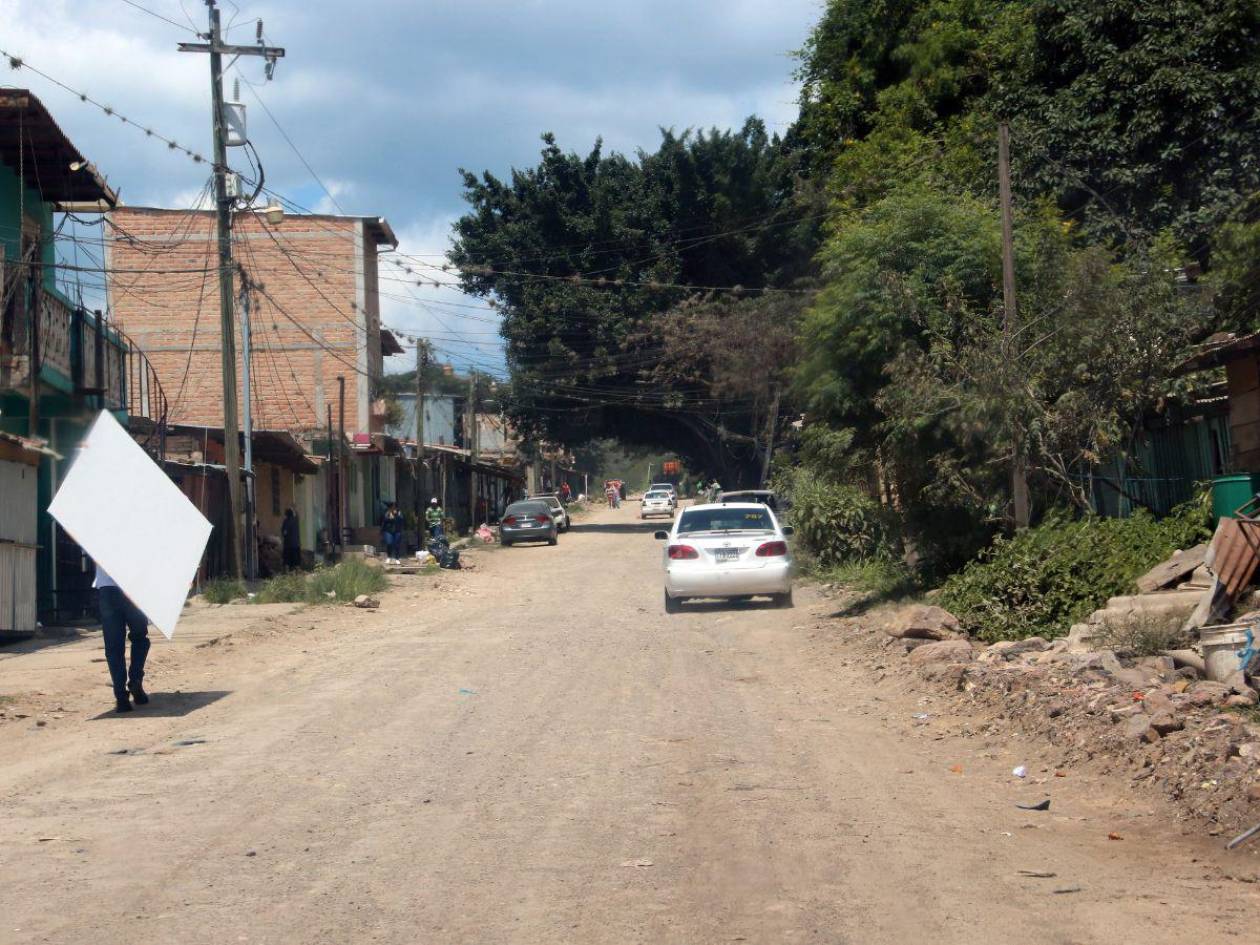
x=1155, y=718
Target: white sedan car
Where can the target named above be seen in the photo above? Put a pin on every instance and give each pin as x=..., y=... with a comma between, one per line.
x=727, y=550
x=656, y=502
x=558, y=511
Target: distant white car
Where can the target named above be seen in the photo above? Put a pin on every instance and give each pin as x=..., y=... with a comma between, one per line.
x=727, y=550
x=665, y=487
x=656, y=502
x=558, y=511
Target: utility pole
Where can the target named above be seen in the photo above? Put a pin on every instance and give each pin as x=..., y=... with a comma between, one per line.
x=341, y=461
x=223, y=212
x=1010, y=314
x=422, y=362
x=251, y=540
x=472, y=450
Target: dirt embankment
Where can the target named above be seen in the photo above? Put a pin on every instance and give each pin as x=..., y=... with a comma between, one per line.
x=1159, y=729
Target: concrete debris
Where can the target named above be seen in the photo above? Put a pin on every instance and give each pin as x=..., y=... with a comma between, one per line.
x=1169, y=572
x=1009, y=649
x=369, y=603
x=1195, y=740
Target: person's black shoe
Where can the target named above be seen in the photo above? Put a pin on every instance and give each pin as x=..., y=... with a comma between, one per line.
x=138, y=693
x=122, y=705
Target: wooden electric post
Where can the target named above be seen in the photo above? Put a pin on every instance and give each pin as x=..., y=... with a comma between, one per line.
x=471, y=437
x=422, y=362
x=223, y=213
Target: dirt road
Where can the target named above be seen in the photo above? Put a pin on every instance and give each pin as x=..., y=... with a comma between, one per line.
x=532, y=752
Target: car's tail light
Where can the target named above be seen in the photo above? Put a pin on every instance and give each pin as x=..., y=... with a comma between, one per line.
x=683, y=552
x=542, y=519
x=772, y=549
x=510, y=520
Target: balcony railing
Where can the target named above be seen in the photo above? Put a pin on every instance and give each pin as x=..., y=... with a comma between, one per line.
x=83, y=355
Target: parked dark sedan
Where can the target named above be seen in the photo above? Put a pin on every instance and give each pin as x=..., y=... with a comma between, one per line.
x=528, y=521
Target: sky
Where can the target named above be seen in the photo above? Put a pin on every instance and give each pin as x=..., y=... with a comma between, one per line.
x=387, y=99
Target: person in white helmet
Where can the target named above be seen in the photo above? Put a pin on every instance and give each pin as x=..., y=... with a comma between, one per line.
x=434, y=517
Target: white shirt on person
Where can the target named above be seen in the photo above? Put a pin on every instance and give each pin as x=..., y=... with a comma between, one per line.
x=102, y=579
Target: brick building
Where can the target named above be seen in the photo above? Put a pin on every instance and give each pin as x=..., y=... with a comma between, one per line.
x=315, y=312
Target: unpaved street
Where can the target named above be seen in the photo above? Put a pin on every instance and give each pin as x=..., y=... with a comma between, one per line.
x=532, y=752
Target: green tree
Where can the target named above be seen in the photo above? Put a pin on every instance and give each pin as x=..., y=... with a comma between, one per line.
x=582, y=253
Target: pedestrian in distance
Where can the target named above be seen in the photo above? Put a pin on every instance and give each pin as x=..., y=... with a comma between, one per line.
x=291, y=541
x=118, y=616
x=433, y=519
x=391, y=533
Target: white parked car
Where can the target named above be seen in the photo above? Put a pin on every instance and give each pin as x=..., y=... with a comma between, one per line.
x=727, y=550
x=666, y=487
x=656, y=502
x=558, y=511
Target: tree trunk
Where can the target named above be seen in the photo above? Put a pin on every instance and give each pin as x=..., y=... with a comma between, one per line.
x=771, y=422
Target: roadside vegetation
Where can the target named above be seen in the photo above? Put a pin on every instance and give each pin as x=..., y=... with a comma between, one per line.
x=341, y=583
x=836, y=313
x=1042, y=580
x=222, y=590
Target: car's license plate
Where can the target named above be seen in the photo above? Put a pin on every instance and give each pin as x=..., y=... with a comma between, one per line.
x=726, y=554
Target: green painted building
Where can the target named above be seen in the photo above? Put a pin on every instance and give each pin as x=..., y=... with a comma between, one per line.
x=59, y=364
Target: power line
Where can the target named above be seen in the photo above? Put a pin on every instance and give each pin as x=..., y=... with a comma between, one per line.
x=159, y=16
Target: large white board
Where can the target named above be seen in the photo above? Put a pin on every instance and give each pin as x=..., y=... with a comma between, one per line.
x=133, y=521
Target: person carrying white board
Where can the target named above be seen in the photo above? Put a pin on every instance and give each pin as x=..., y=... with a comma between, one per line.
x=118, y=615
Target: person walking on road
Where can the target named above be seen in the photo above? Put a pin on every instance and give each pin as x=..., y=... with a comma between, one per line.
x=433, y=518
x=291, y=541
x=391, y=533
x=118, y=615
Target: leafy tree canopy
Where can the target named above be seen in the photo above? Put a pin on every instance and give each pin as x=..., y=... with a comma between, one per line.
x=582, y=252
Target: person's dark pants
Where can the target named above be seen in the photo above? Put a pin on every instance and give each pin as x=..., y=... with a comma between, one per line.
x=391, y=544
x=118, y=614
x=293, y=558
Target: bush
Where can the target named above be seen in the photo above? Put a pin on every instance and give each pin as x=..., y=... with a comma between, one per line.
x=878, y=578
x=1144, y=634
x=1044, y=579
x=837, y=522
x=347, y=581
x=222, y=590
x=283, y=589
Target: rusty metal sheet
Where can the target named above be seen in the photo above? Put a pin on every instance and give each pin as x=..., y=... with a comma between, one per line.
x=1235, y=553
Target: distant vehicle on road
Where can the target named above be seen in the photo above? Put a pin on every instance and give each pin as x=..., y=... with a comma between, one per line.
x=666, y=487
x=765, y=496
x=656, y=502
x=530, y=520
x=558, y=510
x=729, y=550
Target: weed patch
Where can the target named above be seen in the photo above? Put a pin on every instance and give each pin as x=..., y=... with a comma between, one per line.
x=345, y=582
x=283, y=589
x=223, y=590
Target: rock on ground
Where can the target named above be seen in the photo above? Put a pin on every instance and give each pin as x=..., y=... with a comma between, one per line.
x=925, y=622
x=944, y=651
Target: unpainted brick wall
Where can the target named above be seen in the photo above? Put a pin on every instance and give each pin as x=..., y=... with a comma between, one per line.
x=164, y=292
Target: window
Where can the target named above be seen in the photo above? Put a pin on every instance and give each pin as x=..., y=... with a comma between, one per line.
x=275, y=490
x=726, y=519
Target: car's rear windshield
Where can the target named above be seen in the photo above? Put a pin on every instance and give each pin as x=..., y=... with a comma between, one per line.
x=657, y=495
x=527, y=508
x=725, y=519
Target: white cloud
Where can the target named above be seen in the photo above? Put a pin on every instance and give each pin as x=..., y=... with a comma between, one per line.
x=463, y=329
x=387, y=104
